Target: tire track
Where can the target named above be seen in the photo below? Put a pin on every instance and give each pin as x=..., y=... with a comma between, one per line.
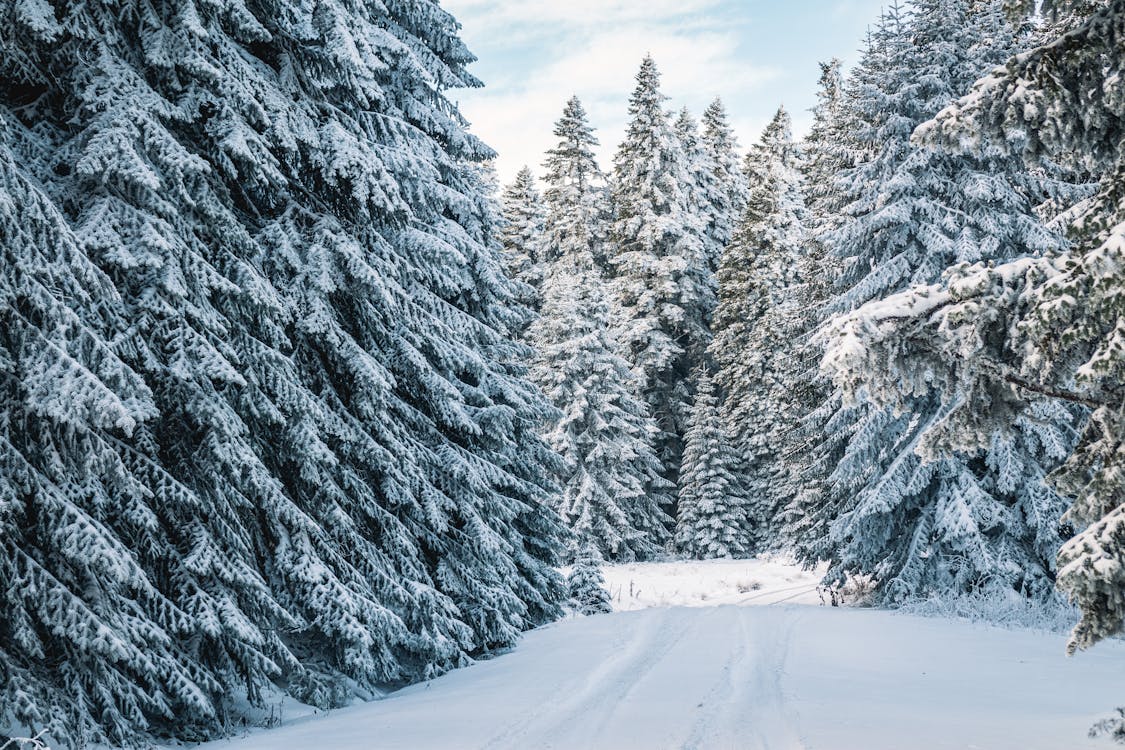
x=746, y=708
x=599, y=692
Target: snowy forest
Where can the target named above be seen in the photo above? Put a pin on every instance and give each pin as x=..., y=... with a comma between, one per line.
x=297, y=401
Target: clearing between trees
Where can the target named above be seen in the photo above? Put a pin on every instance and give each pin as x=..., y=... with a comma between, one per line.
x=766, y=667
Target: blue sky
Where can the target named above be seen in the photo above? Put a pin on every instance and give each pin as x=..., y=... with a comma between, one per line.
x=534, y=54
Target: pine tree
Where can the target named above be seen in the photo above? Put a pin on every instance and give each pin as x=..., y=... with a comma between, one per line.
x=332, y=433
x=712, y=519
x=612, y=490
x=757, y=328
x=726, y=197
x=586, y=584
x=829, y=147
x=1032, y=327
x=661, y=276
x=76, y=601
x=522, y=236
x=963, y=521
x=827, y=151
x=576, y=194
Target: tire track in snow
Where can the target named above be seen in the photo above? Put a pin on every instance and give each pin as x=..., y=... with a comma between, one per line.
x=597, y=693
x=805, y=588
x=746, y=708
x=723, y=696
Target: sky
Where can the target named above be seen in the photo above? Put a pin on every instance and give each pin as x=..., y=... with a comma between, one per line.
x=534, y=54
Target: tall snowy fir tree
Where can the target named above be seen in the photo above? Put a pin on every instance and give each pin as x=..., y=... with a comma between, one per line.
x=712, y=520
x=828, y=147
x=726, y=196
x=612, y=491
x=522, y=236
x=1032, y=327
x=758, y=327
x=576, y=197
x=76, y=603
x=968, y=520
x=661, y=275
x=827, y=151
x=308, y=459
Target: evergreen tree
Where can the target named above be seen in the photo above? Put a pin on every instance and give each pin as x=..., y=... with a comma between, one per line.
x=1006, y=335
x=817, y=444
x=829, y=147
x=661, y=276
x=77, y=603
x=826, y=152
x=757, y=328
x=586, y=584
x=726, y=190
x=521, y=235
x=712, y=516
x=965, y=520
x=321, y=407
x=576, y=197
x=612, y=490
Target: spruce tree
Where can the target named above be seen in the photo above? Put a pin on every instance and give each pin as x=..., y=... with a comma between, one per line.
x=331, y=431
x=963, y=521
x=1009, y=334
x=586, y=585
x=827, y=151
x=576, y=194
x=521, y=235
x=90, y=640
x=758, y=327
x=612, y=491
x=726, y=196
x=661, y=276
x=712, y=520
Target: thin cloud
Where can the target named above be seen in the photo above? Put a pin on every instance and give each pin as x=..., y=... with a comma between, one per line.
x=596, y=49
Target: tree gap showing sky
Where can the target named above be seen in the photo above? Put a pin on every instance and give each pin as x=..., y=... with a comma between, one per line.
x=755, y=54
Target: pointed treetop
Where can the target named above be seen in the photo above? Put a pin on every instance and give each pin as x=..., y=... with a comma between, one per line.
x=687, y=128
x=777, y=138
x=574, y=124
x=831, y=81
x=647, y=94
x=525, y=179
x=572, y=161
x=716, y=126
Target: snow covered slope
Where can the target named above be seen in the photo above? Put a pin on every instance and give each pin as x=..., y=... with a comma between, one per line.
x=745, y=678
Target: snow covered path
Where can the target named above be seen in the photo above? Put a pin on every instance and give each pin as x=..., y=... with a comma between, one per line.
x=753, y=677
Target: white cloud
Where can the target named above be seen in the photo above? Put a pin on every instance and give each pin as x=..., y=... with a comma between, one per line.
x=578, y=13
x=593, y=48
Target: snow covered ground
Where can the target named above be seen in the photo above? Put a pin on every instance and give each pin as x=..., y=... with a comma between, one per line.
x=692, y=583
x=788, y=675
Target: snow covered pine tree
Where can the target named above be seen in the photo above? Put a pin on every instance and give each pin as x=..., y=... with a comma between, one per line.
x=309, y=459
x=712, y=515
x=612, y=489
x=585, y=583
x=1004, y=336
x=964, y=521
x=522, y=236
x=660, y=271
x=758, y=329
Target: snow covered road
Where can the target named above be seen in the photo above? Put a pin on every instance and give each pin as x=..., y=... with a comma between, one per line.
x=745, y=678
